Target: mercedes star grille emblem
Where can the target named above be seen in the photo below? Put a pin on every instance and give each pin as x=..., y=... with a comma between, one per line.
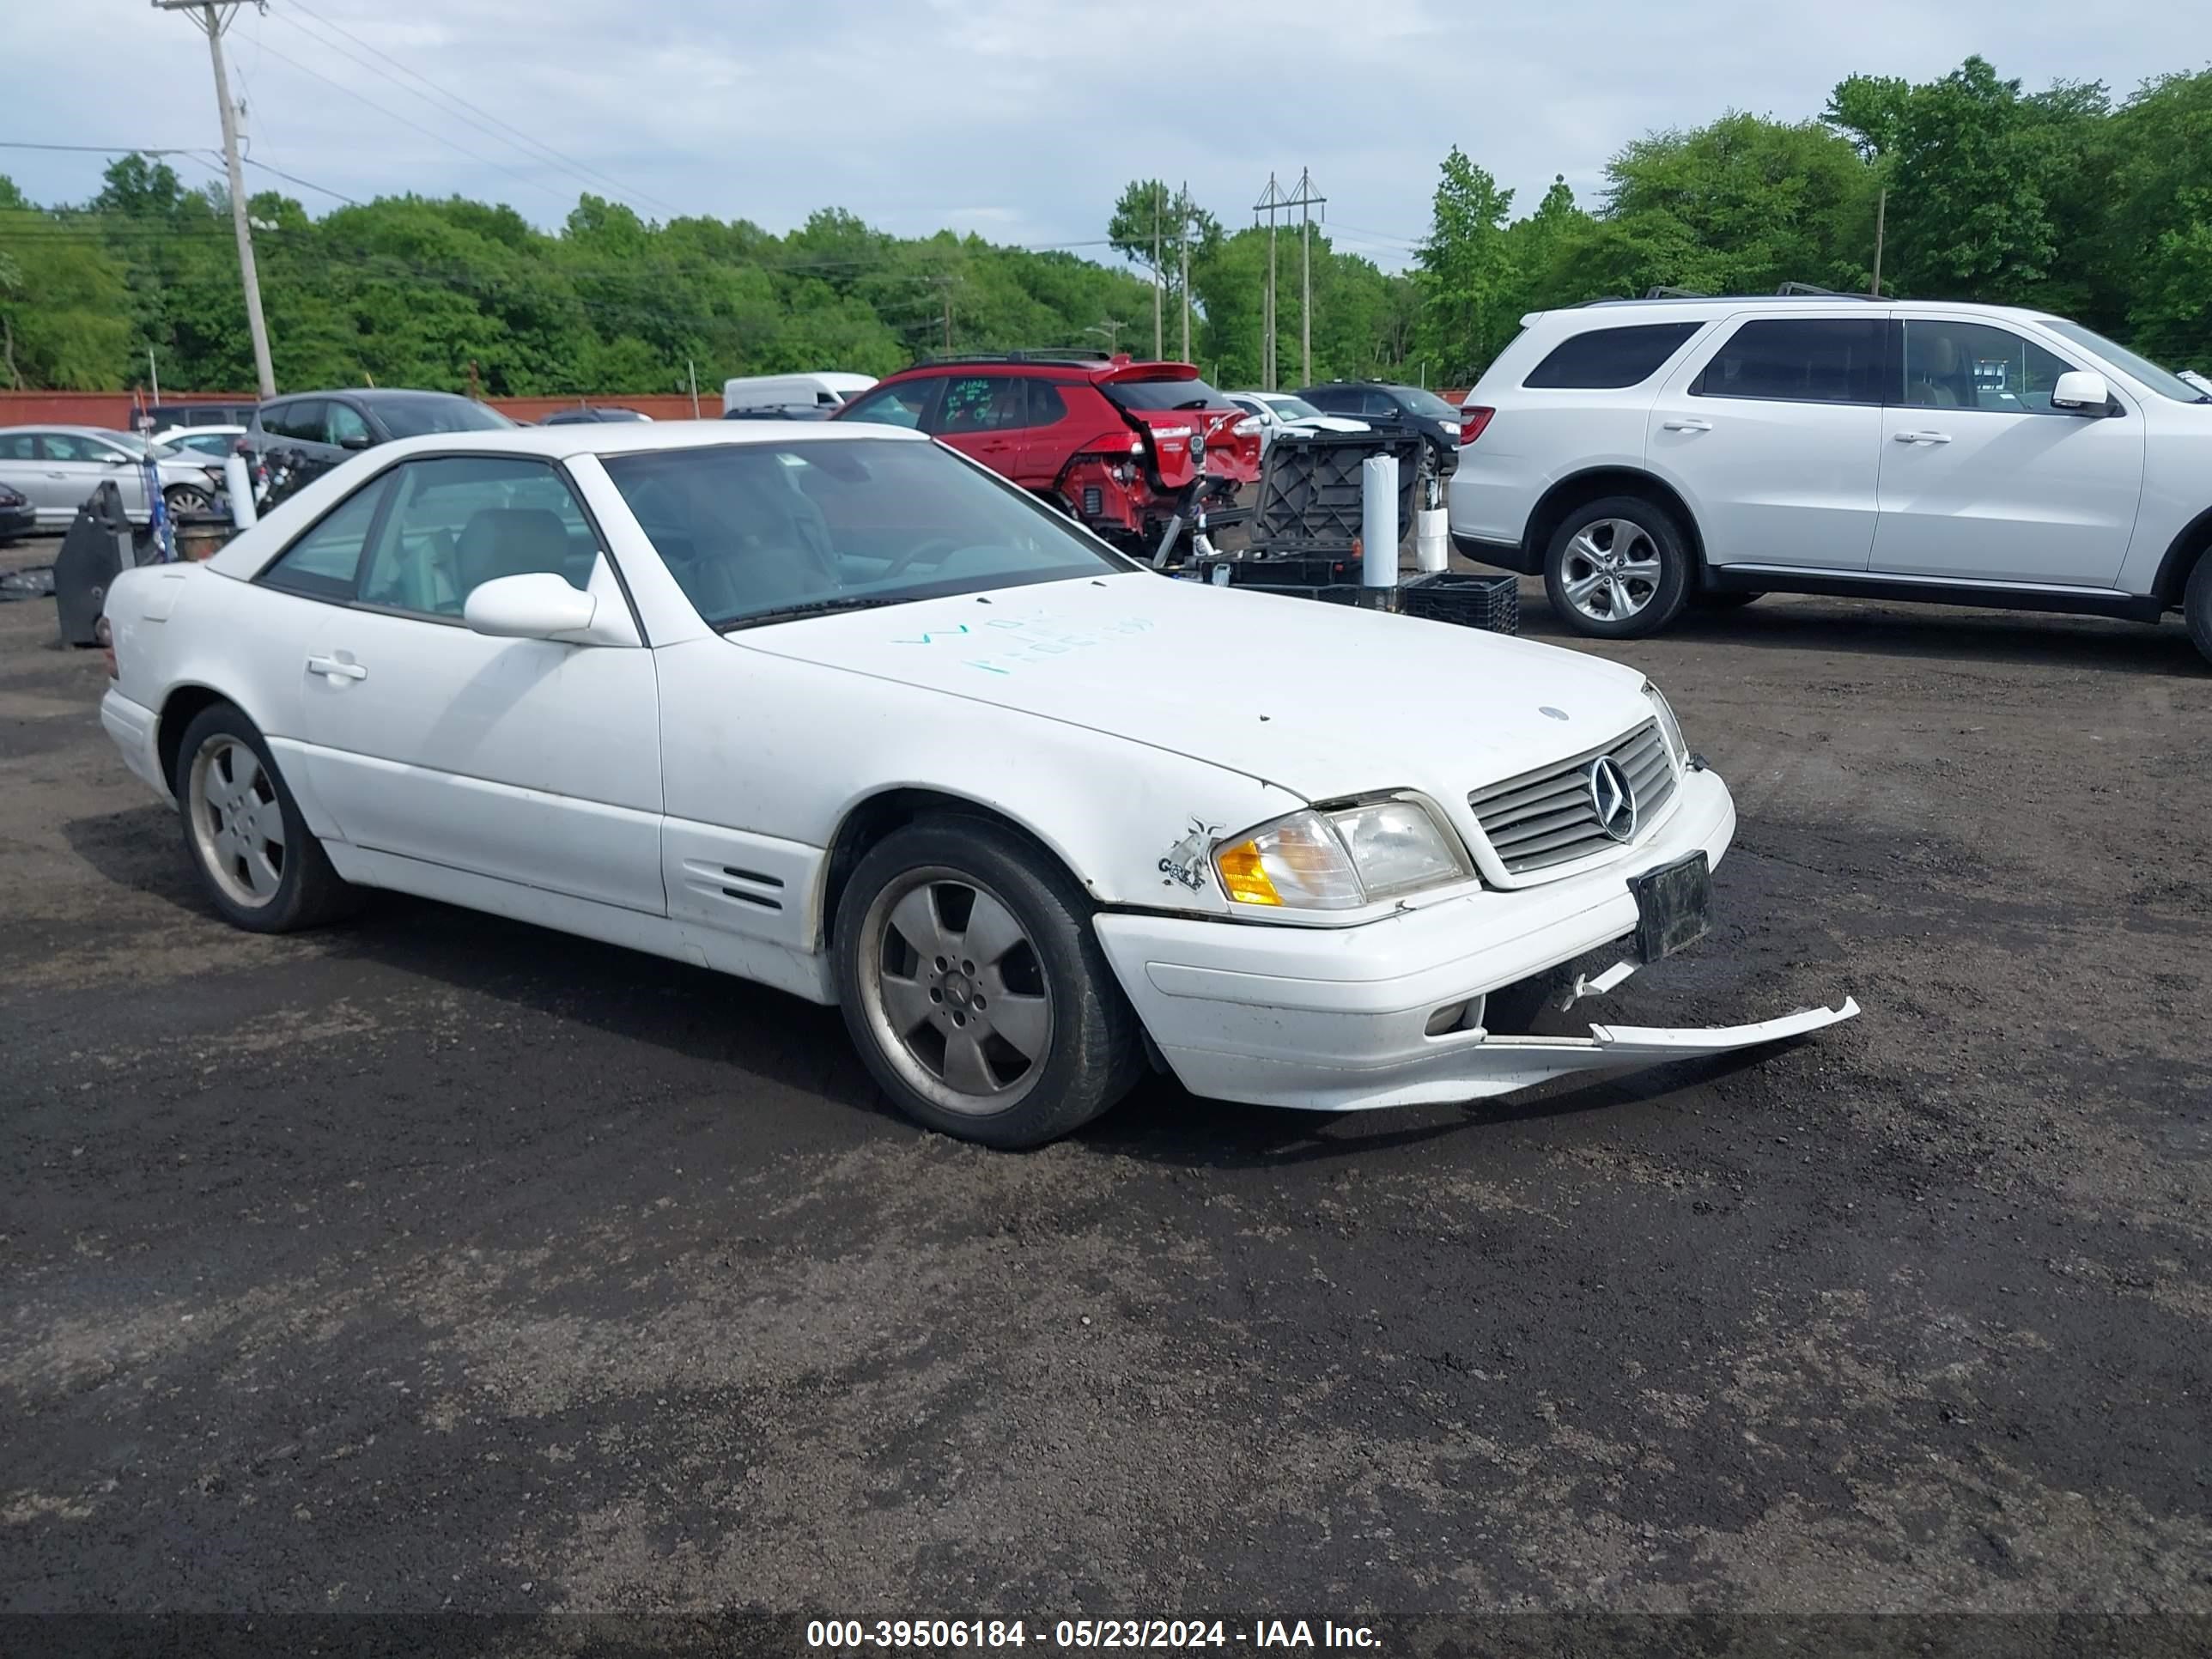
x=1612, y=798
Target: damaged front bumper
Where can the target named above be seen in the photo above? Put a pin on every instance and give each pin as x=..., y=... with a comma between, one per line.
x=1350, y=1018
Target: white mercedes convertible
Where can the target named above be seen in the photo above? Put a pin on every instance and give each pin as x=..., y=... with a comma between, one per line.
x=838, y=711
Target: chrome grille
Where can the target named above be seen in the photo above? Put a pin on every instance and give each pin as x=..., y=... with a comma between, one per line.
x=1546, y=817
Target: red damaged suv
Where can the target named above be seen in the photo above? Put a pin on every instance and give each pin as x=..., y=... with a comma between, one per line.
x=1124, y=446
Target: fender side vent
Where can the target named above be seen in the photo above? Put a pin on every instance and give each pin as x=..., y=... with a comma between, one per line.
x=751, y=898
x=753, y=876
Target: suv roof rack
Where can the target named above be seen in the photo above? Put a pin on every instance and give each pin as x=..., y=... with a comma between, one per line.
x=1787, y=291
x=1047, y=354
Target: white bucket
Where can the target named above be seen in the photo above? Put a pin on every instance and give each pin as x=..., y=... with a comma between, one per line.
x=1431, y=538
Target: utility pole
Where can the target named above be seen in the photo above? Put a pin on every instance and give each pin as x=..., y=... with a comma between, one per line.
x=1182, y=228
x=1881, y=231
x=1269, y=201
x=1306, y=201
x=1159, y=345
x=212, y=19
x=1111, y=327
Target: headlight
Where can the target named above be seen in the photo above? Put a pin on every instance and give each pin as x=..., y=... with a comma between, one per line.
x=1340, y=860
x=1670, y=727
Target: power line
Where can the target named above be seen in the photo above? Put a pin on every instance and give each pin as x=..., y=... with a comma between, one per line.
x=483, y=160
x=463, y=110
x=465, y=105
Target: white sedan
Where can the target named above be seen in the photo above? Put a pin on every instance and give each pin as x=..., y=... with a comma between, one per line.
x=838, y=711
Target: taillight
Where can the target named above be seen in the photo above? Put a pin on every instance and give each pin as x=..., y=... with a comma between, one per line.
x=1471, y=422
x=106, y=636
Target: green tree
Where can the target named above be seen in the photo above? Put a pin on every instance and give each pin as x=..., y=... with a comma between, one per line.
x=1465, y=272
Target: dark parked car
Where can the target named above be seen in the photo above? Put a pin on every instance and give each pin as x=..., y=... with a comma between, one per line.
x=324, y=427
x=17, y=516
x=165, y=416
x=584, y=414
x=1382, y=403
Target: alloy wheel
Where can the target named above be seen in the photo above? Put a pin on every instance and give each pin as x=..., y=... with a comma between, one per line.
x=237, y=823
x=1611, y=569
x=954, y=991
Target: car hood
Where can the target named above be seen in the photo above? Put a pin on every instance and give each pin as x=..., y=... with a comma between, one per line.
x=1323, y=700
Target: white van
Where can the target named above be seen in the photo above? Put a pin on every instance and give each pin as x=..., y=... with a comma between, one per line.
x=828, y=390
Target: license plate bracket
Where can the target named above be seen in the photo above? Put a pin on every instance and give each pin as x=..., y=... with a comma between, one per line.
x=1674, y=906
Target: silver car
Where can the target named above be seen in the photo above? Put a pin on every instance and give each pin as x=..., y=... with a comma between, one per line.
x=58, y=466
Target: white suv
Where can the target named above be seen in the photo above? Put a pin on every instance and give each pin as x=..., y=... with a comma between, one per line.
x=1643, y=455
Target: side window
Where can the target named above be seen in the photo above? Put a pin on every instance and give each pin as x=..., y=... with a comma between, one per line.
x=1047, y=407
x=1806, y=359
x=1334, y=400
x=981, y=403
x=321, y=564
x=1378, y=405
x=904, y=405
x=459, y=522
x=301, y=419
x=1977, y=366
x=345, y=423
x=18, y=446
x=68, y=446
x=1610, y=358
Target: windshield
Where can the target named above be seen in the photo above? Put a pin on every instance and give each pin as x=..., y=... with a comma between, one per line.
x=1425, y=403
x=1164, y=394
x=761, y=533
x=2165, y=383
x=1292, y=408
x=418, y=417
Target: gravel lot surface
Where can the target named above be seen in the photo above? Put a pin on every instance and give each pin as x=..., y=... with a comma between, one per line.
x=438, y=1262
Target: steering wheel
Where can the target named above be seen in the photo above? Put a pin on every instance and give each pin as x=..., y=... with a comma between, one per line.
x=897, y=566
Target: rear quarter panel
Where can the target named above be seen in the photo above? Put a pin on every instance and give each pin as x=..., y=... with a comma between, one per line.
x=1540, y=436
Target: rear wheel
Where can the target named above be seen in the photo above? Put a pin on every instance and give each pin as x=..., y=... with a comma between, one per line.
x=185, y=498
x=244, y=834
x=974, y=988
x=2196, y=603
x=1617, y=568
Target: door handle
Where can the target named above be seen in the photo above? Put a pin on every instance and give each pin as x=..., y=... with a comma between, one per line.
x=331, y=669
x=1923, y=437
x=1687, y=424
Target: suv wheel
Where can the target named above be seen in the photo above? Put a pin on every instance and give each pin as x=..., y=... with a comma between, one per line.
x=2196, y=603
x=1617, y=568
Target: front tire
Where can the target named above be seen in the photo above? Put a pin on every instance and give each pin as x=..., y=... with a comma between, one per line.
x=2196, y=604
x=974, y=988
x=1617, y=568
x=184, y=498
x=244, y=834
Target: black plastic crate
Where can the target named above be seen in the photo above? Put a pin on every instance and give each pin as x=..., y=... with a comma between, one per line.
x=1486, y=602
x=1295, y=570
x=1311, y=497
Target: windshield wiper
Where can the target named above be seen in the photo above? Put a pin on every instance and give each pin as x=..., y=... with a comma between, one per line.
x=811, y=608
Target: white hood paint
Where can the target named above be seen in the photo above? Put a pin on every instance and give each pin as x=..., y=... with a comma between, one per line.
x=1323, y=700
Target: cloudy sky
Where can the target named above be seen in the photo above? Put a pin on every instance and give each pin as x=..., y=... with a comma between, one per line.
x=1019, y=119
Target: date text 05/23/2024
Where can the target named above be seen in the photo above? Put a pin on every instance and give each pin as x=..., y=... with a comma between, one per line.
x=858, y=1635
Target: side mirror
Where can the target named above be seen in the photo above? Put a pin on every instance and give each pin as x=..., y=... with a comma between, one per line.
x=354, y=440
x=113, y=460
x=536, y=607
x=2082, y=391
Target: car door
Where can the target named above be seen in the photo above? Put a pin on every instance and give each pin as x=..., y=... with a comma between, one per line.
x=532, y=761
x=21, y=468
x=1985, y=479
x=982, y=416
x=75, y=464
x=1771, y=434
x=1046, y=439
